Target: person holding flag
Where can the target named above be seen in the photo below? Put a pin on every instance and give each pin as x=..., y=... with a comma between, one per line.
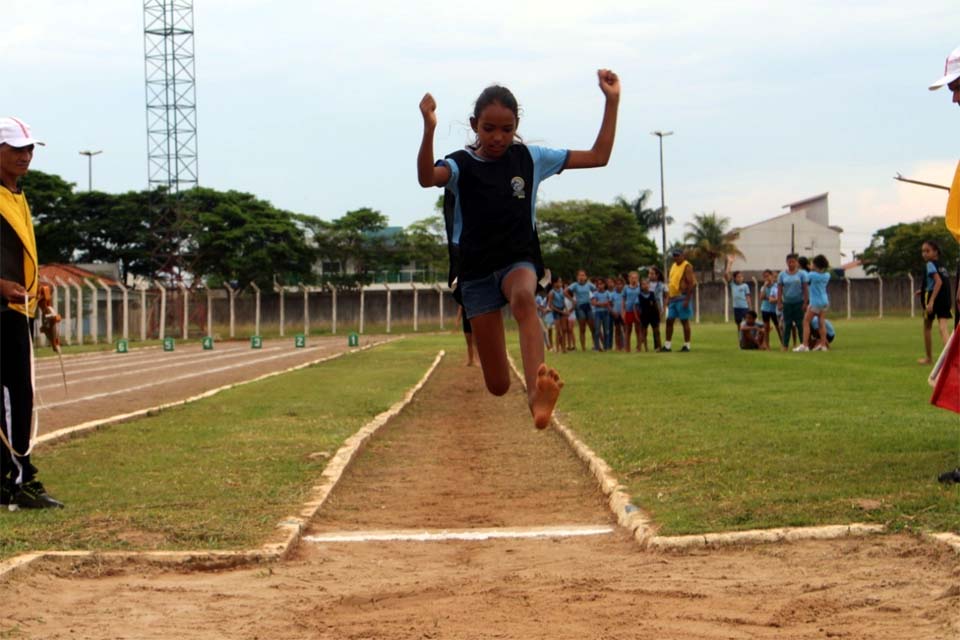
x=946, y=392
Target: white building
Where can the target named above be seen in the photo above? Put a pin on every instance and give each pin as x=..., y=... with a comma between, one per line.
x=805, y=228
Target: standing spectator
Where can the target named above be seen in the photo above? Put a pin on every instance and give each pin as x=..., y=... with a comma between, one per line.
x=580, y=292
x=768, y=306
x=739, y=293
x=649, y=313
x=602, y=322
x=819, y=302
x=616, y=311
x=631, y=314
x=680, y=306
x=655, y=277
x=793, y=295
x=464, y=322
x=951, y=78
x=557, y=302
x=936, y=298
x=19, y=286
x=546, y=316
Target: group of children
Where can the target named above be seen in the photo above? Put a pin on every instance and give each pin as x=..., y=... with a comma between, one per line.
x=793, y=303
x=613, y=308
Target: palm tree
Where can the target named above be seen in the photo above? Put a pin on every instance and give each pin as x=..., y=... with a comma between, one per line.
x=709, y=239
x=648, y=219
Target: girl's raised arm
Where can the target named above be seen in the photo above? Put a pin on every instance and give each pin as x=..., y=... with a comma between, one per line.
x=599, y=155
x=428, y=174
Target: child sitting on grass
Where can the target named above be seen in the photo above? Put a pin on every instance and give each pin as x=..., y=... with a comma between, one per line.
x=752, y=332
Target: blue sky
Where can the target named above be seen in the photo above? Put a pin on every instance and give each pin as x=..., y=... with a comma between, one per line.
x=313, y=105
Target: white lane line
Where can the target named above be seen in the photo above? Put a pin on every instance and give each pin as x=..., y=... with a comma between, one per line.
x=187, y=376
x=170, y=365
x=461, y=534
x=119, y=360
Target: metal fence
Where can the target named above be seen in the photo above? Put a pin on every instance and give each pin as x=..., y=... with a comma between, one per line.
x=93, y=312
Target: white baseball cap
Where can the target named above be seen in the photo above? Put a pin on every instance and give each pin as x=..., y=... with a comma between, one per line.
x=16, y=133
x=951, y=70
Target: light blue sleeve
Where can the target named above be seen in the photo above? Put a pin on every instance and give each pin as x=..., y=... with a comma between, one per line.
x=453, y=182
x=931, y=269
x=804, y=277
x=547, y=162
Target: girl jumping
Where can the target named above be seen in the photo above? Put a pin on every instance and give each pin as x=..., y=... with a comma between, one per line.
x=493, y=188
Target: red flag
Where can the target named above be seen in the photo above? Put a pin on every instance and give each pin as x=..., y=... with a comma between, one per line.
x=946, y=392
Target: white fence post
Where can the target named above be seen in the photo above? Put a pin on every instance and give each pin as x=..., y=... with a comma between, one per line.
x=361, y=307
x=756, y=296
x=94, y=312
x=387, y=287
x=233, y=312
x=306, y=310
x=696, y=295
x=209, y=312
x=280, y=290
x=726, y=303
x=416, y=310
x=79, y=291
x=913, y=298
x=126, y=311
x=256, y=295
x=163, y=310
x=143, y=311
x=67, y=329
x=186, y=310
x=109, y=296
x=849, y=301
x=880, y=283
x=440, y=291
x=333, y=309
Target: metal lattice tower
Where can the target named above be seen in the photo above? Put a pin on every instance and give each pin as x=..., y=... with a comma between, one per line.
x=171, y=94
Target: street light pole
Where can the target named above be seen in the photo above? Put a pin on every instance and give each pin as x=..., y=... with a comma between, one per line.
x=90, y=155
x=663, y=206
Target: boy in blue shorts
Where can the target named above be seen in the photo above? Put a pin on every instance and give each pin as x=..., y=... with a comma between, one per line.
x=580, y=292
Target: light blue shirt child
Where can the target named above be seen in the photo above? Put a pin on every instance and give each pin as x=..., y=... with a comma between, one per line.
x=582, y=292
x=818, y=289
x=791, y=284
x=739, y=292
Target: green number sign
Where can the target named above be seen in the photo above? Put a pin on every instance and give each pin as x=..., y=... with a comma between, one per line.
x=168, y=344
x=256, y=342
x=300, y=341
x=353, y=340
x=207, y=343
x=121, y=346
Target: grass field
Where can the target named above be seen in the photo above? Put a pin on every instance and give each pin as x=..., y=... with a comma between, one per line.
x=722, y=439
x=217, y=474
x=713, y=440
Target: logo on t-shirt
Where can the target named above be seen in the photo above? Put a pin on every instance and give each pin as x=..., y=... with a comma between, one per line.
x=517, y=184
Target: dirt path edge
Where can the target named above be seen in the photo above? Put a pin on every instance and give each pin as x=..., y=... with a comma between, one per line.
x=289, y=530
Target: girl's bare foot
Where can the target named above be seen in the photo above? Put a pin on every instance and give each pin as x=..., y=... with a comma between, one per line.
x=924, y=361
x=544, y=397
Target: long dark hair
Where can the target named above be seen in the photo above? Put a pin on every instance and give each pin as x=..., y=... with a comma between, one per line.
x=496, y=94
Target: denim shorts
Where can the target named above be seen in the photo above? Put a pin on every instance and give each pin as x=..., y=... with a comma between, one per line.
x=484, y=295
x=584, y=311
x=676, y=310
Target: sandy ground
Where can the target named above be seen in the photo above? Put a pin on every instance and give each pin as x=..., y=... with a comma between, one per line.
x=458, y=458
x=101, y=385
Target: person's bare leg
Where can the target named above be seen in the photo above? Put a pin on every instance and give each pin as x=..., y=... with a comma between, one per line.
x=492, y=351
x=944, y=330
x=543, y=383
x=669, y=335
x=807, y=317
x=823, y=330
x=927, y=341
x=470, y=349
x=582, y=325
x=686, y=330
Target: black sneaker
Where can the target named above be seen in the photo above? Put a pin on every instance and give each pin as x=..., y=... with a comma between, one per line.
x=665, y=349
x=684, y=349
x=6, y=494
x=32, y=495
x=950, y=476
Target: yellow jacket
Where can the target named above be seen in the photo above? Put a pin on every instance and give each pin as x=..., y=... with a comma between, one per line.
x=16, y=211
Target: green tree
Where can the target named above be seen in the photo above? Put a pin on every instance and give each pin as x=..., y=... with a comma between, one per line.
x=649, y=219
x=709, y=240
x=55, y=216
x=604, y=239
x=895, y=250
x=426, y=242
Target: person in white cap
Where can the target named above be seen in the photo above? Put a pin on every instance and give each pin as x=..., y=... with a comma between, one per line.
x=951, y=80
x=951, y=76
x=19, y=288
